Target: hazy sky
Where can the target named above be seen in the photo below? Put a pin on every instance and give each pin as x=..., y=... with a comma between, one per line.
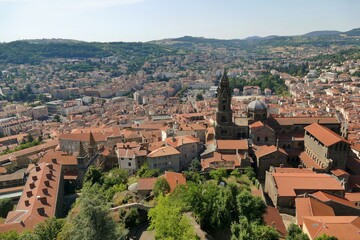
x=145, y=20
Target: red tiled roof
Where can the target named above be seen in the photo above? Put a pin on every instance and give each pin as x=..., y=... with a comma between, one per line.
x=163, y=151
x=273, y=218
x=309, y=162
x=353, y=196
x=341, y=227
x=265, y=150
x=231, y=160
x=288, y=183
x=324, y=135
x=174, y=179
x=326, y=197
x=232, y=144
x=38, y=200
x=307, y=207
x=146, y=184
x=61, y=157
x=181, y=140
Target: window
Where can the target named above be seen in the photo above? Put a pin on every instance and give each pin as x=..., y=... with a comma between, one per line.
x=266, y=139
x=258, y=139
x=129, y=164
x=122, y=158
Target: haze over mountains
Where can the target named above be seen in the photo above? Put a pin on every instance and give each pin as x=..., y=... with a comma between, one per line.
x=319, y=33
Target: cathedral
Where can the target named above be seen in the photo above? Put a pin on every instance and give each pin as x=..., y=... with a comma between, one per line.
x=228, y=128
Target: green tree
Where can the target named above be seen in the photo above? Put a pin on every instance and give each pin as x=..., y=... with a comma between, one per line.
x=5, y=207
x=326, y=237
x=249, y=171
x=49, y=229
x=246, y=230
x=93, y=220
x=93, y=175
x=199, y=97
x=115, y=176
x=295, y=233
x=57, y=118
x=169, y=223
x=218, y=174
x=30, y=138
x=161, y=187
x=253, y=208
x=145, y=172
x=11, y=235
x=195, y=165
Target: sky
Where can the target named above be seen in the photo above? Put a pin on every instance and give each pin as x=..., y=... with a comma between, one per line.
x=146, y=20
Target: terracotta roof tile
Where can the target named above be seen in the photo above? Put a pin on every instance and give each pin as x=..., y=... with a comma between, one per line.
x=146, y=184
x=265, y=150
x=273, y=218
x=232, y=144
x=341, y=227
x=174, y=179
x=324, y=135
x=307, y=207
x=163, y=151
x=288, y=183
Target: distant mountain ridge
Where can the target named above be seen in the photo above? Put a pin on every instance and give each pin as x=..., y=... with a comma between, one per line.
x=322, y=33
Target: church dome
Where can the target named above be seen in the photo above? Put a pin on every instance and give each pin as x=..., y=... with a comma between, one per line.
x=256, y=105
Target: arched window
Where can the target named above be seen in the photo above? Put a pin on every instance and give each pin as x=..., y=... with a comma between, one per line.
x=284, y=146
x=266, y=139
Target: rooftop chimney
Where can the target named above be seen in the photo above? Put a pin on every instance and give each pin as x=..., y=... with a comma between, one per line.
x=34, y=178
x=37, y=168
x=53, y=160
x=27, y=203
x=32, y=185
x=49, y=165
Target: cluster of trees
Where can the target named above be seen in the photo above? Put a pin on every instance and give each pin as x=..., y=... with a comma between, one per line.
x=215, y=206
x=6, y=206
x=299, y=70
x=26, y=52
x=109, y=183
x=265, y=80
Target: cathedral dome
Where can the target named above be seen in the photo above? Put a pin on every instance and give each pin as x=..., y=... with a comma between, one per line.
x=257, y=105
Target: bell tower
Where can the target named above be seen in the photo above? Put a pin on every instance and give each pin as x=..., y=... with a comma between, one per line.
x=224, y=114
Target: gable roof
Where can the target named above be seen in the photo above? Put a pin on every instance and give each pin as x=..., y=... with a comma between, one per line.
x=307, y=207
x=324, y=135
x=266, y=150
x=232, y=144
x=181, y=140
x=289, y=183
x=273, y=218
x=163, y=151
x=174, y=179
x=341, y=227
x=38, y=200
x=146, y=184
x=326, y=197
